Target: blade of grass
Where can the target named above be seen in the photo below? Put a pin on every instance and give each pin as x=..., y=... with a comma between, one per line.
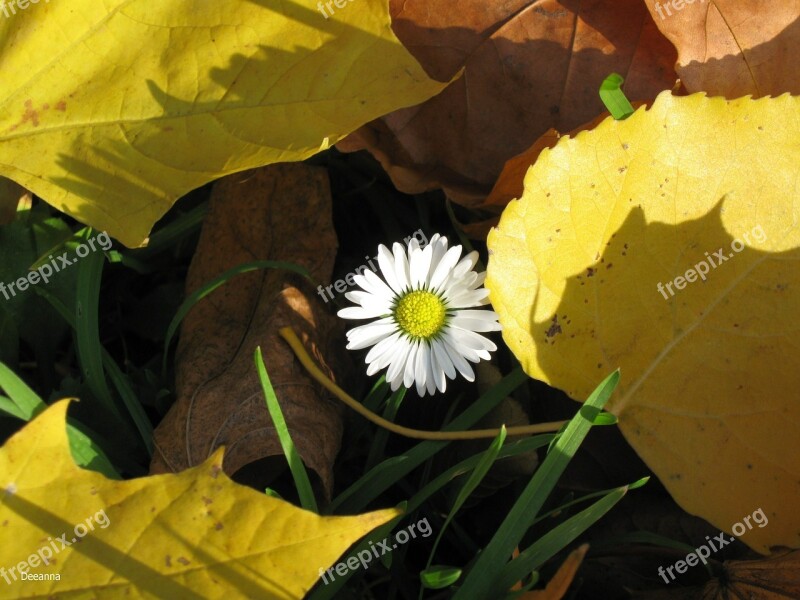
x=298, y=469
x=209, y=287
x=519, y=447
x=369, y=487
x=554, y=541
x=132, y=404
x=24, y=404
x=478, y=473
x=87, y=330
x=614, y=98
x=376, y=450
x=479, y=581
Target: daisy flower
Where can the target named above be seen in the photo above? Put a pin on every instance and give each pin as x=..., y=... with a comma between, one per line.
x=424, y=330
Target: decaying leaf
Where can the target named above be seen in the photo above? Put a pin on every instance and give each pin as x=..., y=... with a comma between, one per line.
x=283, y=213
x=589, y=271
x=529, y=67
x=733, y=48
x=771, y=578
x=558, y=586
x=11, y=194
x=112, y=110
x=191, y=535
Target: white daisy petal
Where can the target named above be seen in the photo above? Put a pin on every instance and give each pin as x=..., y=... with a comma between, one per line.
x=411, y=361
x=397, y=368
x=386, y=263
x=436, y=375
x=359, y=312
x=382, y=291
x=444, y=267
x=370, y=334
x=476, y=320
x=443, y=360
x=459, y=363
x=420, y=265
x=401, y=269
x=383, y=350
x=422, y=366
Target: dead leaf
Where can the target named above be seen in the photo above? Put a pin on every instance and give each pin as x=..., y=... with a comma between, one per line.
x=281, y=212
x=733, y=48
x=11, y=194
x=529, y=67
x=771, y=578
x=558, y=586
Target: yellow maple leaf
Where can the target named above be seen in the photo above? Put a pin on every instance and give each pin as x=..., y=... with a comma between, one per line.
x=667, y=245
x=114, y=109
x=194, y=534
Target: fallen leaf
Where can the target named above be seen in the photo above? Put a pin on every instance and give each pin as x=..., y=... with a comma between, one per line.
x=163, y=97
x=733, y=48
x=558, y=586
x=11, y=194
x=192, y=535
x=709, y=369
x=528, y=67
x=283, y=213
x=771, y=578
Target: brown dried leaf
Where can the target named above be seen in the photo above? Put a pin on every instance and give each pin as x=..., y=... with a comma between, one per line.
x=558, y=586
x=11, y=194
x=775, y=577
x=281, y=212
x=734, y=48
x=529, y=67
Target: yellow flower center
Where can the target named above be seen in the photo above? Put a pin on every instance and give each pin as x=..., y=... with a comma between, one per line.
x=420, y=314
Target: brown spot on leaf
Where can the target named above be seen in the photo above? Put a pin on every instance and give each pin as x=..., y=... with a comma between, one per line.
x=554, y=328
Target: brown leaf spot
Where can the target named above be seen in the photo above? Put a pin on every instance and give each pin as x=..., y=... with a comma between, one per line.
x=554, y=327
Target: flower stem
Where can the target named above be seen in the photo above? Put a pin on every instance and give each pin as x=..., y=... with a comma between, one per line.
x=288, y=334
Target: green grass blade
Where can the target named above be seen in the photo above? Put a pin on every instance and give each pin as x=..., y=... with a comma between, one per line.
x=298, y=469
x=554, y=541
x=485, y=463
x=132, y=404
x=25, y=401
x=614, y=98
x=376, y=450
x=218, y=281
x=530, y=502
x=375, y=483
x=418, y=499
x=87, y=330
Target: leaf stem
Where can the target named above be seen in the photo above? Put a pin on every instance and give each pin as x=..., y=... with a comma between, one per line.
x=288, y=334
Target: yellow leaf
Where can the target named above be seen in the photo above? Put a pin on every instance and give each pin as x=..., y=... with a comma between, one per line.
x=114, y=109
x=710, y=372
x=195, y=534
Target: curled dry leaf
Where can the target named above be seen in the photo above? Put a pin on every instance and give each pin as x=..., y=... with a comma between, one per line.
x=733, y=48
x=281, y=212
x=770, y=578
x=528, y=67
x=558, y=586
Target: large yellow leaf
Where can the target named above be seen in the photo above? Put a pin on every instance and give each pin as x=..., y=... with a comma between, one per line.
x=710, y=373
x=195, y=534
x=112, y=109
